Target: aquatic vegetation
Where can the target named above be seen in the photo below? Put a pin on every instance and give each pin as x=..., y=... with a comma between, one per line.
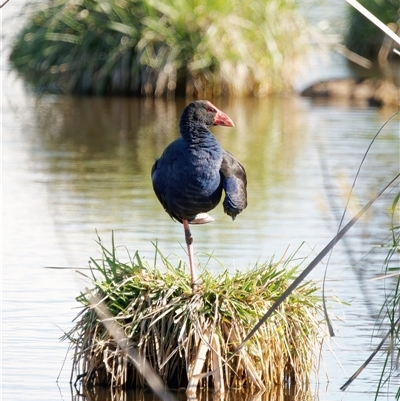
x=366, y=39
x=390, y=309
x=183, y=334
x=389, y=323
x=162, y=47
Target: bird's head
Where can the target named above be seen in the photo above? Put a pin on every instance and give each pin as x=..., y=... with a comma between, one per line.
x=205, y=112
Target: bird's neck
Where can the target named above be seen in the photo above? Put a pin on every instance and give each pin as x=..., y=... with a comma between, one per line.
x=196, y=133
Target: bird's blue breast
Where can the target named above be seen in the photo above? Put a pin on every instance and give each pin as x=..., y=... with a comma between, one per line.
x=187, y=178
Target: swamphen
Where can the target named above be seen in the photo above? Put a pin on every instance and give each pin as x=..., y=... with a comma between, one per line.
x=190, y=175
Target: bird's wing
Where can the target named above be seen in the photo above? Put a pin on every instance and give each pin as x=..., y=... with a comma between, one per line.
x=234, y=182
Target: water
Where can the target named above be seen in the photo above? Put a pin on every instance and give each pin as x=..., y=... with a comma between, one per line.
x=72, y=166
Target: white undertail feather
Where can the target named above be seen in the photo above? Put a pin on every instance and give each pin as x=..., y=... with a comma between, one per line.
x=201, y=218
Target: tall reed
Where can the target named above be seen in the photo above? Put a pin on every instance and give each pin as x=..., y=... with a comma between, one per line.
x=390, y=308
x=366, y=39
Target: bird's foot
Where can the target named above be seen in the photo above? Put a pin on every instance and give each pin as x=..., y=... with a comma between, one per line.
x=201, y=218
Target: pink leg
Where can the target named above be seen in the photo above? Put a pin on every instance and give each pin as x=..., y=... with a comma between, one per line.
x=189, y=243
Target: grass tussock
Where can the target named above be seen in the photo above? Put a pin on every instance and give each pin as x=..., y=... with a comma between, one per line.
x=182, y=334
x=163, y=47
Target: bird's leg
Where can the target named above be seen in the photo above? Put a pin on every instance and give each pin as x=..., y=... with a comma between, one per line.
x=189, y=243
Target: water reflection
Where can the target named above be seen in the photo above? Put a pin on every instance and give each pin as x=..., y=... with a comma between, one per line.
x=132, y=132
x=99, y=154
x=277, y=394
x=102, y=150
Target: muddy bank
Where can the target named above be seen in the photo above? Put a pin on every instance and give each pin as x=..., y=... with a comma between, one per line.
x=373, y=92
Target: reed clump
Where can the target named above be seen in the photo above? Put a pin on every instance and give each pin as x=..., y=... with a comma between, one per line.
x=365, y=38
x=163, y=47
x=182, y=334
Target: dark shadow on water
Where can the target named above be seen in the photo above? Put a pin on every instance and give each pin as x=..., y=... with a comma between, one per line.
x=278, y=393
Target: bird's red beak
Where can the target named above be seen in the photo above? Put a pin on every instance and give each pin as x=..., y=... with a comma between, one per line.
x=222, y=119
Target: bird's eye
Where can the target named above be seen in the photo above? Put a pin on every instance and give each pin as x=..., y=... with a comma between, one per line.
x=210, y=110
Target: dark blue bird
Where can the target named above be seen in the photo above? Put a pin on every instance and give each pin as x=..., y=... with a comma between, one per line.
x=193, y=170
